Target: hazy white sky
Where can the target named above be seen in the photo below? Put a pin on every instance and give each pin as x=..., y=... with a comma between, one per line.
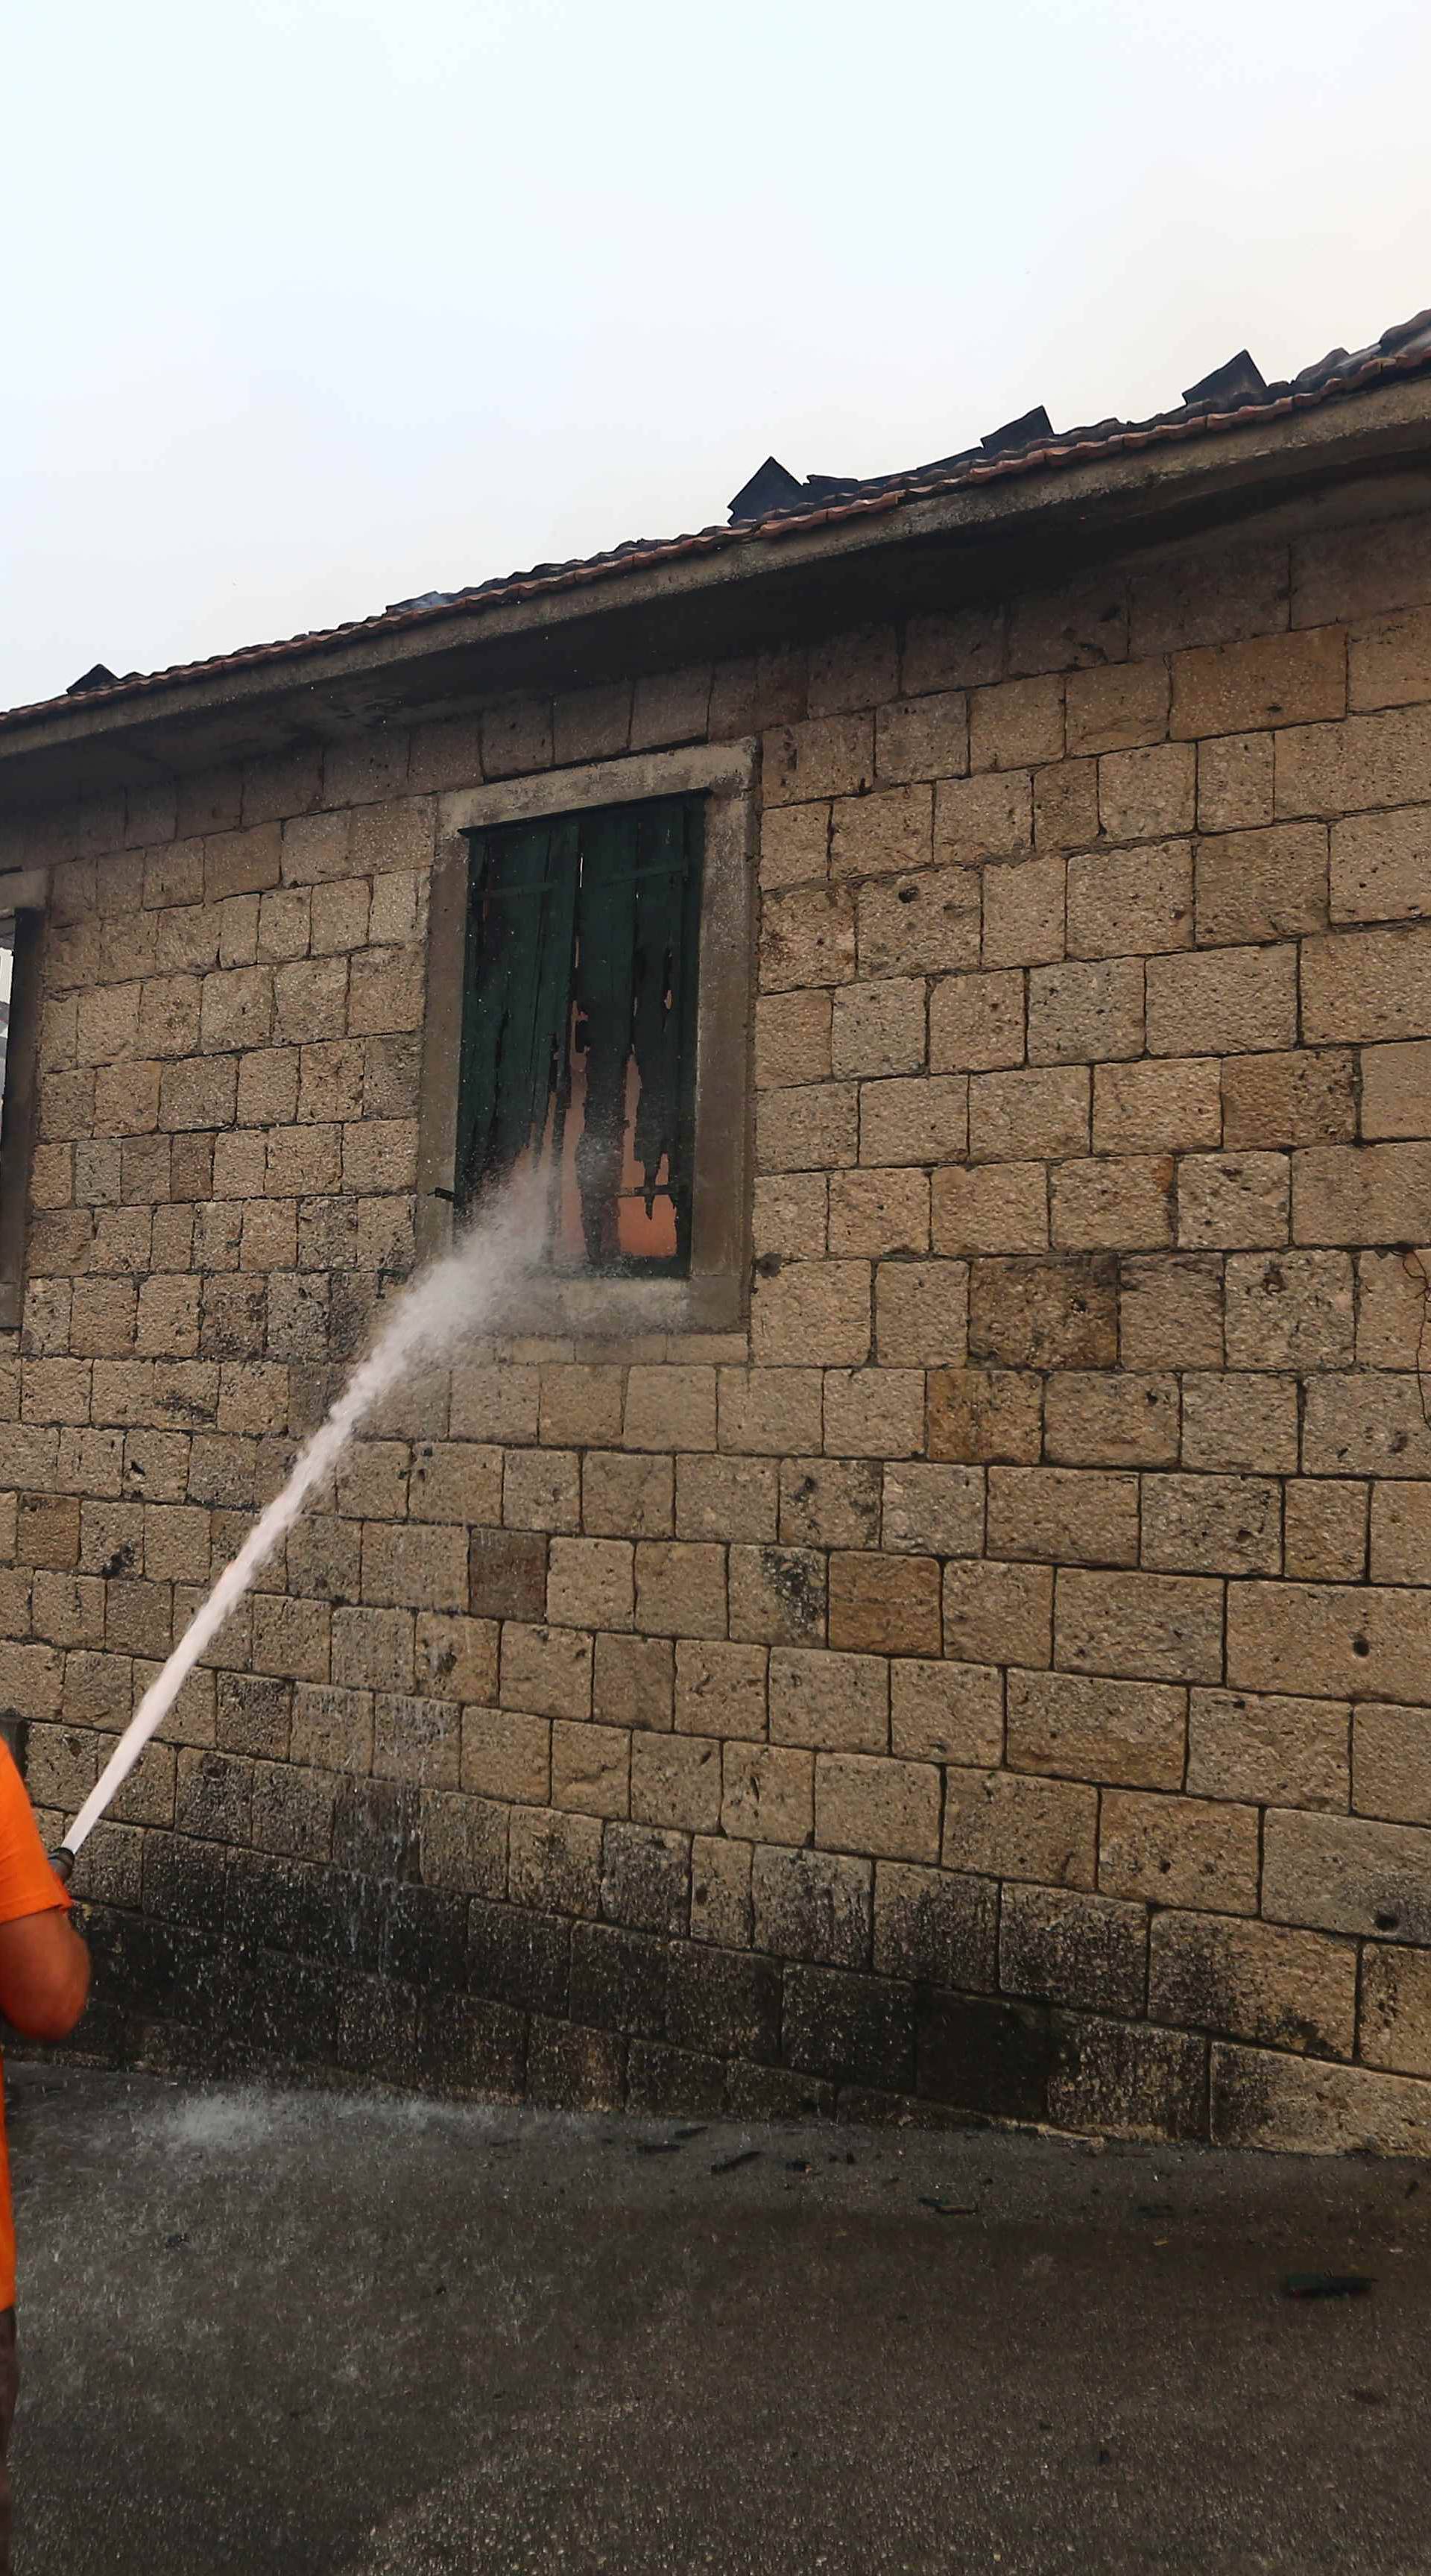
x=314, y=304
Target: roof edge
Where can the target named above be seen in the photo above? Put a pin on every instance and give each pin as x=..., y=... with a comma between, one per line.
x=1139, y=474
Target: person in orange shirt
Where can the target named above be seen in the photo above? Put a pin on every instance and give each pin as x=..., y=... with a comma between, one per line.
x=44, y=1981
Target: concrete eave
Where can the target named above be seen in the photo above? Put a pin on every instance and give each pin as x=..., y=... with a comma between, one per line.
x=735, y=595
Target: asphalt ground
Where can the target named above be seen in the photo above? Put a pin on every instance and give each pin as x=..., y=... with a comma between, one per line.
x=351, y=2336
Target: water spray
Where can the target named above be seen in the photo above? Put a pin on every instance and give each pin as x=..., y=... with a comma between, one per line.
x=456, y=1297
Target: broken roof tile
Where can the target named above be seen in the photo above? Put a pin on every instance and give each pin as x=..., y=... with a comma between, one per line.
x=1023, y=432
x=770, y=485
x=1240, y=380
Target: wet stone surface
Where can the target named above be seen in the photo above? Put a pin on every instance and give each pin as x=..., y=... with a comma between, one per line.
x=351, y=2336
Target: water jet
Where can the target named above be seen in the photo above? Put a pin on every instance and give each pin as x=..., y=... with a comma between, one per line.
x=456, y=1297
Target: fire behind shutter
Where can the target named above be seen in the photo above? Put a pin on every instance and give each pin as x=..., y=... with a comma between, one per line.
x=579, y=1026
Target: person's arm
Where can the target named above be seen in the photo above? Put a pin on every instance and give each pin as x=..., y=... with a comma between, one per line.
x=44, y=1965
x=44, y=1974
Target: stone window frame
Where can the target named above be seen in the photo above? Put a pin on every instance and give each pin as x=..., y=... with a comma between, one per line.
x=713, y=1296
x=23, y=893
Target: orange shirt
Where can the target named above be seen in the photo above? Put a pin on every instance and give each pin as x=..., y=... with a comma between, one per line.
x=28, y=1885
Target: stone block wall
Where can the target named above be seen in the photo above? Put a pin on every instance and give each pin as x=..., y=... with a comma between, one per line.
x=1001, y=1679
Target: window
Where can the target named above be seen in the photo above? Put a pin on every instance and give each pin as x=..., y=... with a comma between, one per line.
x=7, y=979
x=579, y=1023
x=589, y=1009
x=21, y=924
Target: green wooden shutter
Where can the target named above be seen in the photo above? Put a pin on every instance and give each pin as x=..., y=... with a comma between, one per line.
x=520, y=929
x=605, y=983
x=668, y=889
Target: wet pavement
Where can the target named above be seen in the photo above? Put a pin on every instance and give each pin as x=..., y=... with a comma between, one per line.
x=305, y=2332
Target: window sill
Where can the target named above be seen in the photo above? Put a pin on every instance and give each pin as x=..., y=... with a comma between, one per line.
x=607, y=1309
